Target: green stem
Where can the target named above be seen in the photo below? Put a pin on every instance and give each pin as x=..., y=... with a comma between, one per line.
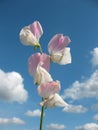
x=41, y=49
x=42, y=111
x=41, y=118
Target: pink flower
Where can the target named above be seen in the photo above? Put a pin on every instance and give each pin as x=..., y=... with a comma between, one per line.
x=49, y=88
x=54, y=100
x=35, y=59
x=30, y=35
x=58, y=51
x=38, y=65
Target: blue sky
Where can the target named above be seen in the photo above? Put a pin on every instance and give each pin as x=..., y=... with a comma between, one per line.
x=19, y=100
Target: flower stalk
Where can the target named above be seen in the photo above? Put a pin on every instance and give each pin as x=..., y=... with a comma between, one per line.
x=41, y=118
x=42, y=109
x=41, y=49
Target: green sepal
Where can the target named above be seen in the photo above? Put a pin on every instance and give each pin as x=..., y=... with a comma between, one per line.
x=35, y=47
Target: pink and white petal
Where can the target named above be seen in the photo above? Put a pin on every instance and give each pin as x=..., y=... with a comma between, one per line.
x=46, y=61
x=45, y=90
x=33, y=62
x=35, y=59
x=36, y=29
x=42, y=76
x=52, y=43
x=57, y=43
x=62, y=43
x=66, y=58
x=27, y=38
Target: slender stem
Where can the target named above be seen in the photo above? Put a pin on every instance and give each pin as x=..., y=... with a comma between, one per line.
x=41, y=49
x=41, y=118
x=42, y=110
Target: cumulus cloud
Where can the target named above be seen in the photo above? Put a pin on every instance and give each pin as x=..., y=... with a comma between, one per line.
x=36, y=112
x=94, y=59
x=75, y=109
x=86, y=89
x=88, y=126
x=12, y=87
x=53, y=126
x=13, y=120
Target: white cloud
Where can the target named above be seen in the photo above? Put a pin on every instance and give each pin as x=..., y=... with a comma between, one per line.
x=13, y=120
x=55, y=126
x=88, y=126
x=75, y=109
x=12, y=87
x=86, y=89
x=94, y=59
x=96, y=117
x=36, y=112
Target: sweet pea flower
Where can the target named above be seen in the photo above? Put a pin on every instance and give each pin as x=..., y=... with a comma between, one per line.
x=49, y=88
x=58, y=51
x=54, y=100
x=30, y=35
x=38, y=65
x=35, y=59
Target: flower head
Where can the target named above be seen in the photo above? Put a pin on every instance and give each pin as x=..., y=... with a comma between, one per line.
x=58, y=51
x=30, y=35
x=49, y=88
x=38, y=65
x=35, y=59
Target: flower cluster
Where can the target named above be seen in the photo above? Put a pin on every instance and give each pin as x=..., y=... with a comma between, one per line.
x=39, y=63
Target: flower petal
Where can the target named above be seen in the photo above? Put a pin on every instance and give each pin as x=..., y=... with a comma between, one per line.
x=66, y=58
x=57, y=43
x=27, y=37
x=56, y=57
x=36, y=29
x=62, y=57
x=33, y=63
x=46, y=61
x=59, y=101
x=30, y=35
x=47, y=89
x=41, y=75
x=54, y=100
x=35, y=59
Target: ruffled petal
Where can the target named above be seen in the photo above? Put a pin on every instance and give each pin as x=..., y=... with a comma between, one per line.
x=66, y=58
x=54, y=100
x=35, y=59
x=47, y=89
x=27, y=37
x=42, y=76
x=57, y=43
x=36, y=29
x=46, y=61
x=33, y=62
